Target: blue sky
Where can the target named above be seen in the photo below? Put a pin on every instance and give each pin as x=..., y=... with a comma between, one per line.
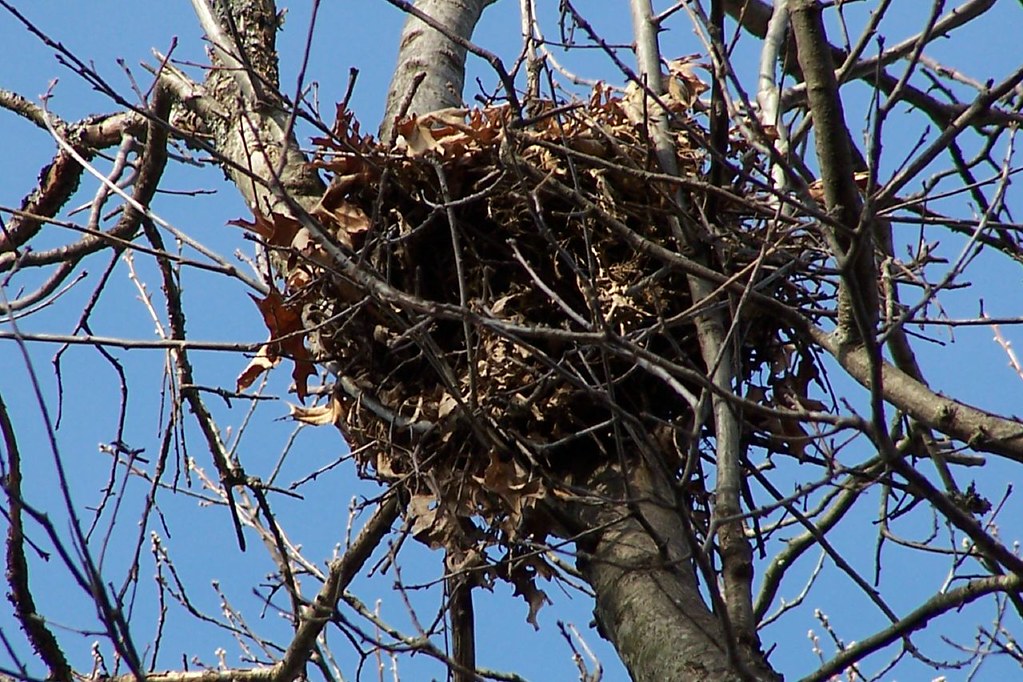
x=363, y=33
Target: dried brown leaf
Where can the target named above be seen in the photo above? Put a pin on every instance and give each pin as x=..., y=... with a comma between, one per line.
x=446, y=405
x=277, y=230
x=330, y=413
x=535, y=597
x=422, y=511
x=684, y=86
x=287, y=338
x=418, y=139
x=263, y=362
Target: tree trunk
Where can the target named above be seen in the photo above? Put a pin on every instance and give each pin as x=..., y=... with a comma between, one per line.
x=649, y=605
x=431, y=67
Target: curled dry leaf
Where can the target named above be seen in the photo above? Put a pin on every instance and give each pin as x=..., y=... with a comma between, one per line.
x=278, y=230
x=259, y=364
x=446, y=405
x=287, y=339
x=523, y=574
x=684, y=86
x=434, y=523
x=418, y=137
x=422, y=511
x=318, y=415
x=346, y=221
x=446, y=133
x=517, y=489
x=536, y=598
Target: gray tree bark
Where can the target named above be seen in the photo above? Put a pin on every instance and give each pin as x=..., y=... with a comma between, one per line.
x=430, y=73
x=649, y=605
x=240, y=109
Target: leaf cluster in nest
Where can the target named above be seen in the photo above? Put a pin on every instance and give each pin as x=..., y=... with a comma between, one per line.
x=514, y=337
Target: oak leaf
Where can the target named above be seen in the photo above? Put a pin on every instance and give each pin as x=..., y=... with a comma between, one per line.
x=318, y=415
x=287, y=339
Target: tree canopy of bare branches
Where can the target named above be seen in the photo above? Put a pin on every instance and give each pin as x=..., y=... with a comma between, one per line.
x=692, y=335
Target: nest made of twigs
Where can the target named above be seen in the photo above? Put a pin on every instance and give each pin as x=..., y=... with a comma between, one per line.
x=514, y=333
